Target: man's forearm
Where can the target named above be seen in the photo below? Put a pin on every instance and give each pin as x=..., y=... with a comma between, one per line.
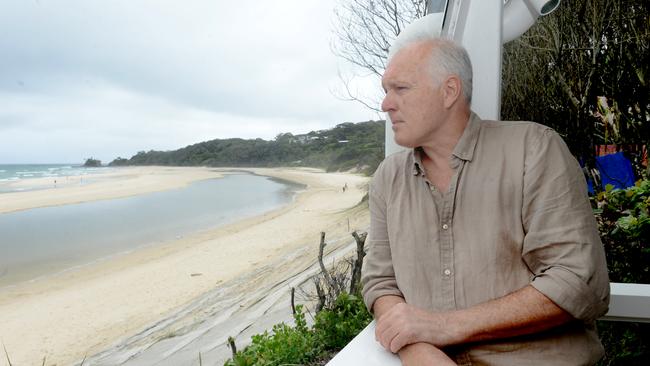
x=424, y=354
x=522, y=312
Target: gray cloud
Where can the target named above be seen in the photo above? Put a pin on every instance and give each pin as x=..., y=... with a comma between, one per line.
x=255, y=59
x=121, y=68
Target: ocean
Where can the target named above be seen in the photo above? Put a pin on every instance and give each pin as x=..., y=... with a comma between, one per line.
x=15, y=172
x=42, y=241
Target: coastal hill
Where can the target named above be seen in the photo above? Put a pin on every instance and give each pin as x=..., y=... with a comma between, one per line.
x=358, y=146
x=92, y=163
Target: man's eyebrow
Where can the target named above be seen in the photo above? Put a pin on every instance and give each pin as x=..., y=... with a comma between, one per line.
x=394, y=83
x=388, y=83
x=383, y=84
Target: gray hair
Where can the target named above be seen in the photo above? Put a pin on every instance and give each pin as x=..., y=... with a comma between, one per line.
x=446, y=58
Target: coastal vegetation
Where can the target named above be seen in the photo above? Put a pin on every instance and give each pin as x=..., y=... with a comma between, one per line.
x=348, y=146
x=92, y=163
x=300, y=344
x=340, y=315
x=587, y=79
x=623, y=217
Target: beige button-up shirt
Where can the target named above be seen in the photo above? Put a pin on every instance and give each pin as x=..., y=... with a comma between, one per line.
x=516, y=213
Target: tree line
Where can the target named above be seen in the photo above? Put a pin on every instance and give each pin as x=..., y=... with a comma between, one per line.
x=584, y=70
x=358, y=146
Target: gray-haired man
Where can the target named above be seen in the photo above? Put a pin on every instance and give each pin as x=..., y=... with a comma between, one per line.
x=482, y=241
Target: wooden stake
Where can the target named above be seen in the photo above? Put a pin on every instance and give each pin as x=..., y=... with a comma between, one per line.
x=358, y=263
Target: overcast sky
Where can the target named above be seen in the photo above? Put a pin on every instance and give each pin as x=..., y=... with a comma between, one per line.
x=109, y=78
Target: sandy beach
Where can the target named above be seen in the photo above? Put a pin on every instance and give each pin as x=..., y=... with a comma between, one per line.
x=118, y=183
x=82, y=312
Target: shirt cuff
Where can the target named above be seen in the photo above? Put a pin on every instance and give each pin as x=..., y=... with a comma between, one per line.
x=570, y=293
x=370, y=296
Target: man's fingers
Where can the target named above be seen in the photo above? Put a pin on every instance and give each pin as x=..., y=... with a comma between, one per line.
x=386, y=335
x=397, y=343
x=403, y=338
x=382, y=326
x=380, y=329
x=390, y=339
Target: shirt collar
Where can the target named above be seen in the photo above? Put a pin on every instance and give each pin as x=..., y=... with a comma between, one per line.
x=465, y=146
x=417, y=162
x=463, y=150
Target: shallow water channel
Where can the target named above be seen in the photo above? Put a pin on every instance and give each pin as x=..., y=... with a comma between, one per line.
x=47, y=240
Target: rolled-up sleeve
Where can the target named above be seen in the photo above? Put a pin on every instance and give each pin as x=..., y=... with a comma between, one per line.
x=378, y=275
x=562, y=246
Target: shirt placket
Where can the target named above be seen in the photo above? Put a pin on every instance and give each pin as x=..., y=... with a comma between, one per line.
x=447, y=239
x=447, y=247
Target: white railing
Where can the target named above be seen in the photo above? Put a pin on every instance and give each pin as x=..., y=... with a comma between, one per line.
x=629, y=302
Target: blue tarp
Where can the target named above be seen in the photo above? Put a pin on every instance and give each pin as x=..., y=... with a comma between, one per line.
x=615, y=169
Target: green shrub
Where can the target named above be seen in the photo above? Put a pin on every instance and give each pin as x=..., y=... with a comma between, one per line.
x=625, y=343
x=336, y=327
x=332, y=330
x=286, y=345
x=624, y=225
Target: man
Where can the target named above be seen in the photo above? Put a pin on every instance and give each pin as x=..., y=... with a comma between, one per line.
x=482, y=240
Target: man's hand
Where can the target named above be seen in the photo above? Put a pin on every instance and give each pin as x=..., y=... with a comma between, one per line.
x=524, y=311
x=405, y=324
x=419, y=354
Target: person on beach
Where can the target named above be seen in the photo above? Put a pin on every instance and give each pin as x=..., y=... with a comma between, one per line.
x=483, y=249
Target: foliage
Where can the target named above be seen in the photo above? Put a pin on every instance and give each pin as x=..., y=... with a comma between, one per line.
x=299, y=344
x=119, y=162
x=286, y=345
x=347, y=146
x=92, y=163
x=587, y=79
x=339, y=318
x=624, y=222
x=625, y=344
x=334, y=328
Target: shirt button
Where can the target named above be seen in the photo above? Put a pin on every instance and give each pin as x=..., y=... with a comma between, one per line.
x=447, y=272
x=445, y=226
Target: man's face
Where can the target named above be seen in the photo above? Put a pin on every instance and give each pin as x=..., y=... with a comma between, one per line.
x=413, y=101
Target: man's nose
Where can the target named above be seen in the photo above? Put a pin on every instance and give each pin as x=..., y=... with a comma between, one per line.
x=388, y=104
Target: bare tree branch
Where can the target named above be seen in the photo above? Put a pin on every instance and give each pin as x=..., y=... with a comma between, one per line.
x=363, y=31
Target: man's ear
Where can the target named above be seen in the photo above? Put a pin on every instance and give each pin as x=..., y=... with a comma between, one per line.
x=452, y=89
